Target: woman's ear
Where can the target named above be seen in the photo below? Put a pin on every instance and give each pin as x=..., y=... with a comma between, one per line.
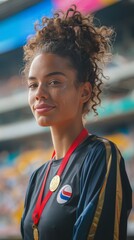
x=86, y=92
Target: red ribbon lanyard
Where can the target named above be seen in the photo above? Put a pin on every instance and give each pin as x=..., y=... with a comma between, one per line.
x=40, y=204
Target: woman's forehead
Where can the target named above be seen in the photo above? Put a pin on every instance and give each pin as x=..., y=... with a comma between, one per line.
x=51, y=59
x=45, y=63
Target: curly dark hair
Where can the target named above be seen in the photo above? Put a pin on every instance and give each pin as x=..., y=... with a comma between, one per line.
x=73, y=35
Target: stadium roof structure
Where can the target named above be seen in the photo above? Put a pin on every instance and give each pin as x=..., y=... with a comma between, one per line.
x=17, y=17
x=10, y=7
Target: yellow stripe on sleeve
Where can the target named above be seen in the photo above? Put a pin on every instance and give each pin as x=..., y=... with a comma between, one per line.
x=99, y=208
x=118, y=201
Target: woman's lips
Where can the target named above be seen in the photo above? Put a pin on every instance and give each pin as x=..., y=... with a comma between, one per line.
x=42, y=108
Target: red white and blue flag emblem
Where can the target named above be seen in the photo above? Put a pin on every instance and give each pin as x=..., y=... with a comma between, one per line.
x=64, y=194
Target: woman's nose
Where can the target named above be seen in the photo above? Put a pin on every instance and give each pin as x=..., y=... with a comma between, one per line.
x=41, y=92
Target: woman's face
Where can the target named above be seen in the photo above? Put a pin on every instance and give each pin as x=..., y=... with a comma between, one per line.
x=53, y=96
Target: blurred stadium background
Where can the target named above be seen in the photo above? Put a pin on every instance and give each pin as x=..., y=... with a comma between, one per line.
x=24, y=146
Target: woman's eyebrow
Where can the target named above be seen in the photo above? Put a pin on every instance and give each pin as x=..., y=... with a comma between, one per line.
x=55, y=73
x=47, y=75
x=31, y=78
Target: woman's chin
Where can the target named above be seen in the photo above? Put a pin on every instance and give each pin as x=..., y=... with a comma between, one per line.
x=43, y=122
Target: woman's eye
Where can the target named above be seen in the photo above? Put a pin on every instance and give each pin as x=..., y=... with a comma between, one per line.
x=54, y=82
x=32, y=85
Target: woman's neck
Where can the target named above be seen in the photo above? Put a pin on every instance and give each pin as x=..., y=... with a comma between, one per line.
x=63, y=137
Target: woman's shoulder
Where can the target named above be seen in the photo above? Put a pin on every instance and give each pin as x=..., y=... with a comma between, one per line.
x=37, y=172
x=34, y=178
x=98, y=150
x=95, y=142
x=100, y=139
x=102, y=155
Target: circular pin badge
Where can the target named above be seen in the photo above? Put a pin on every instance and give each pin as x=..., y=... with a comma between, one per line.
x=64, y=194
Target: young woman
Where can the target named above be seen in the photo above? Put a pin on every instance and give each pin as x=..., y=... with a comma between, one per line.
x=83, y=192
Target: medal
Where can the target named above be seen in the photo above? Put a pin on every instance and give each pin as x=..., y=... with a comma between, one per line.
x=54, y=183
x=35, y=232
